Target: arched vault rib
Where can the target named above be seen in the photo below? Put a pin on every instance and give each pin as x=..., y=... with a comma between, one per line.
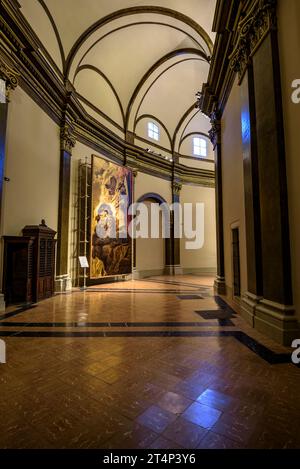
x=185, y=115
x=137, y=24
x=135, y=11
x=56, y=32
x=157, y=78
x=96, y=70
x=151, y=70
x=186, y=125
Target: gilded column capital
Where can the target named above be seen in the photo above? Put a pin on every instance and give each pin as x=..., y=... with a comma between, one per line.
x=252, y=30
x=67, y=139
x=10, y=76
x=176, y=187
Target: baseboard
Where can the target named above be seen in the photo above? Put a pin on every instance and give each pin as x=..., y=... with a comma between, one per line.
x=210, y=271
x=148, y=273
x=63, y=283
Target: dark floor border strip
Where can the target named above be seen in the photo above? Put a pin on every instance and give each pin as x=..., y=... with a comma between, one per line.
x=17, y=311
x=174, y=282
x=110, y=324
x=140, y=290
x=259, y=349
x=118, y=333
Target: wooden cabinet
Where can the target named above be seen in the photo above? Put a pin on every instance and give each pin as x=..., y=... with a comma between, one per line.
x=29, y=263
x=18, y=269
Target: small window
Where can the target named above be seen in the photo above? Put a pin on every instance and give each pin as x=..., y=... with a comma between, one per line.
x=153, y=131
x=200, y=147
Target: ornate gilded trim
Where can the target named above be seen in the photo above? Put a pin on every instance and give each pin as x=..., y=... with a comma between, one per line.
x=67, y=139
x=251, y=31
x=10, y=76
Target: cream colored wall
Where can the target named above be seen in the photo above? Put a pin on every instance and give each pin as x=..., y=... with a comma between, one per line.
x=100, y=94
x=233, y=186
x=150, y=253
x=32, y=165
x=197, y=163
x=144, y=183
x=289, y=41
x=202, y=260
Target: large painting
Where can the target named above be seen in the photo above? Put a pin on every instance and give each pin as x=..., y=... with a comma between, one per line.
x=111, y=198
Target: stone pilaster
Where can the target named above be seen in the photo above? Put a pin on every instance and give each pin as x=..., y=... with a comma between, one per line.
x=215, y=137
x=10, y=78
x=67, y=143
x=268, y=304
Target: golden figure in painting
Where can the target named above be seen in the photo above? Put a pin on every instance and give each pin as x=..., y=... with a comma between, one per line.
x=111, y=198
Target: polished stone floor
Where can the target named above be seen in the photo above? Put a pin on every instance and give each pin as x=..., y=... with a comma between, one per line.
x=158, y=363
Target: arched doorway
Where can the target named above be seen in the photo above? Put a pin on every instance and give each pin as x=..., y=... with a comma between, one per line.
x=150, y=253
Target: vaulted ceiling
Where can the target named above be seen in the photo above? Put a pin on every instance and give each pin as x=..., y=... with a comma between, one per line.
x=130, y=59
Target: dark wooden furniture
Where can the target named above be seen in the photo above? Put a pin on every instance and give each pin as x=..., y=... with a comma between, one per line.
x=29, y=265
x=18, y=269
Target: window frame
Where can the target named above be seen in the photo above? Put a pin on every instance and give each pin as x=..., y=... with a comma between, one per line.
x=200, y=150
x=153, y=131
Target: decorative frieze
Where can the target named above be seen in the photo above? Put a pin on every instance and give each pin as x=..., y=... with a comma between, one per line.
x=252, y=29
x=10, y=76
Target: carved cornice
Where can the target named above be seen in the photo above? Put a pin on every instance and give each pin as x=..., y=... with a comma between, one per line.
x=241, y=26
x=252, y=29
x=67, y=139
x=10, y=76
x=215, y=131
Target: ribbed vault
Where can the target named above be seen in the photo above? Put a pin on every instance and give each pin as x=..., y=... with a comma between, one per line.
x=127, y=62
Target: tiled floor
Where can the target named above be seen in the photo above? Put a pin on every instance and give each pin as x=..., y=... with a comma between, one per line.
x=131, y=365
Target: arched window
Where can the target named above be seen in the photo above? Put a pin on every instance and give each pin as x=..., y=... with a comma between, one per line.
x=153, y=131
x=200, y=147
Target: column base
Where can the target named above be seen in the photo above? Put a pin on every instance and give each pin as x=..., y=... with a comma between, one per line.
x=248, y=307
x=135, y=274
x=63, y=283
x=276, y=321
x=173, y=270
x=220, y=286
x=2, y=303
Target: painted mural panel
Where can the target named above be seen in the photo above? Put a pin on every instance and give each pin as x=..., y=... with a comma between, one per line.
x=111, y=198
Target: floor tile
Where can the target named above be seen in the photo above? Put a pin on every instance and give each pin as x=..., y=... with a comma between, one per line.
x=202, y=415
x=156, y=418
